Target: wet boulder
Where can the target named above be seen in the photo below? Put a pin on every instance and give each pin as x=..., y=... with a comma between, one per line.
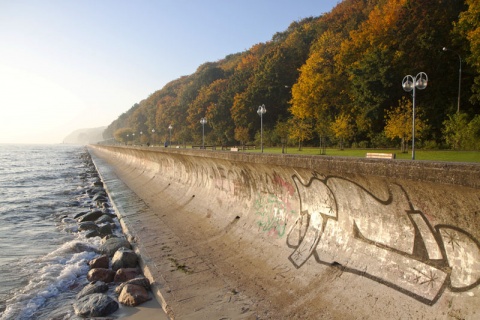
x=132, y=295
x=93, y=287
x=139, y=281
x=101, y=274
x=91, y=216
x=124, y=258
x=111, y=245
x=81, y=247
x=87, y=225
x=104, y=218
x=99, y=262
x=78, y=215
x=92, y=234
x=125, y=274
x=105, y=229
x=95, y=305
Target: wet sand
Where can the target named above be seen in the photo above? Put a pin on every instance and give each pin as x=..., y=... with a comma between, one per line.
x=146, y=311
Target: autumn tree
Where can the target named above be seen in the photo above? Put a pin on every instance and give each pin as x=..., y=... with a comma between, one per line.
x=300, y=130
x=342, y=128
x=399, y=123
x=368, y=58
x=347, y=62
x=241, y=135
x=218, y=113
x=123, y=135
x=321, y=90
x=244, y=106
x=318, y=91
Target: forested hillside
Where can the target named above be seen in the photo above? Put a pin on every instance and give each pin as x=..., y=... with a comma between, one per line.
x=334, y=79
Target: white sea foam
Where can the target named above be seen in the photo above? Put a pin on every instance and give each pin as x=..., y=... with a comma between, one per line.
x=53, y=274
x=43, y=261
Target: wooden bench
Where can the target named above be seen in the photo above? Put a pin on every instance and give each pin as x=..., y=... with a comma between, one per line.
x=233, y=149
x=380, y=155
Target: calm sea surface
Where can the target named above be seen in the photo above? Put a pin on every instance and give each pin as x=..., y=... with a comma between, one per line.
x=42, y=260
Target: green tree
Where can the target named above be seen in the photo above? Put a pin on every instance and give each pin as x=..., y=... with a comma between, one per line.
x=468, y=27
x=462, y=134
x=456, y=130
x=282, y=131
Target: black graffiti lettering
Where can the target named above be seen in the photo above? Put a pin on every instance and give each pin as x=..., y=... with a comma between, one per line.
x=400, y=248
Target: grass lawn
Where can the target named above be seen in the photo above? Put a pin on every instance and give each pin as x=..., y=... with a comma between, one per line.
x=430, y=155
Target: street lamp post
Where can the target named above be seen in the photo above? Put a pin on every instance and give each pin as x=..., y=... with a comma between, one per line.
x=170, y=127
x=409, y=83
x=128, y=136
x=459, y=76
x=261, y=111
x=203, y=121
x=153, y=137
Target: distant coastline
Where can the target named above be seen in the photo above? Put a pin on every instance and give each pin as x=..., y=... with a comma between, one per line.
x=85, y=136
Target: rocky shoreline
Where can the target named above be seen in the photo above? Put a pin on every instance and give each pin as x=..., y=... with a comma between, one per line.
x=114, y=276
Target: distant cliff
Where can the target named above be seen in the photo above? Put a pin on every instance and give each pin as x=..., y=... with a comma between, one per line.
x=85, y=136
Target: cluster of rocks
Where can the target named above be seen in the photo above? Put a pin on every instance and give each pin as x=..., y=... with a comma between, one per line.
x=121, y=271
x=114, y=275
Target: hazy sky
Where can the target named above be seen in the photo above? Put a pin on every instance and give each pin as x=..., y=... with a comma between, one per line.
x=68, y=64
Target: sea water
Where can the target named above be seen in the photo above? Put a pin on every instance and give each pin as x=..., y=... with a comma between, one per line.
x=43, y=261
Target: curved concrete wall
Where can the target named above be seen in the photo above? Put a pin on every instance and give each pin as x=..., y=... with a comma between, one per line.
x=365, y=238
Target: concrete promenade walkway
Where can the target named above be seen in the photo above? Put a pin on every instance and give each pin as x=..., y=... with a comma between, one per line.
x=185, y=284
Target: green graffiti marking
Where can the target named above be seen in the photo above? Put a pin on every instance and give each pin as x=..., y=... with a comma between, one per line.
x=273, y=213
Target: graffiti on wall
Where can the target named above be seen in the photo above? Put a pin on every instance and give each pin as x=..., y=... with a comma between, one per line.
x=383, y=238
x=275, y=210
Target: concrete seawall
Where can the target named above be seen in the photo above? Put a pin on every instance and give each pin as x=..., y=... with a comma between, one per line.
x=238, y=235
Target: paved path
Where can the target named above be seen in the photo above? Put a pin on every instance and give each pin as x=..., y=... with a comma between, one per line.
x=184, y=283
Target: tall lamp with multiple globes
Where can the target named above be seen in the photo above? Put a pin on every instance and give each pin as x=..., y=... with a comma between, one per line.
x=203, y=121
x=410, y=83
x=261, y=111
